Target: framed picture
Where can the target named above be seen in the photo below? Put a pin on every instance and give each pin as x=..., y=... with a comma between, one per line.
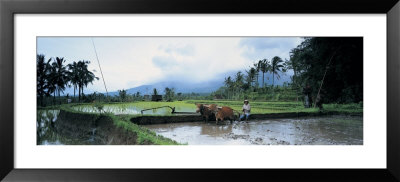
x=287, y=90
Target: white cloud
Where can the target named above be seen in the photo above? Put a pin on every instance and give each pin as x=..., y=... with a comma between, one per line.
x=257, y=48
x=133, y=61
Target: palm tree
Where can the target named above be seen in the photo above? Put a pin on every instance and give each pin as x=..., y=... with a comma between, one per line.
x=169, y=94
x=85, y=76
x=259, y=65
x=238, y=81
x=42, y=74
x=276, y=66
x=122, y=94
x=60, y=75
x=228, y=83
x=155, y=92
x=257, y=68
x=81, y=67
x=73, y=75
x=89, y=77
x=251, y=74
x=52, y=84
x=264, y=67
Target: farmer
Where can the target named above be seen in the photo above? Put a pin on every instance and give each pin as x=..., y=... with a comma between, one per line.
x=246, y=110
x=307, y=96
x=318, y=101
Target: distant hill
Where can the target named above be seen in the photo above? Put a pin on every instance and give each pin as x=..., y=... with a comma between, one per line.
x=268, y=78
x=206, y=87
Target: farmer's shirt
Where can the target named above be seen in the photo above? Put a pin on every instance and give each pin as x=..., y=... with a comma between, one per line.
x=246, y=108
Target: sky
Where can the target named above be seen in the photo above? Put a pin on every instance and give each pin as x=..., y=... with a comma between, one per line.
x=129, y=62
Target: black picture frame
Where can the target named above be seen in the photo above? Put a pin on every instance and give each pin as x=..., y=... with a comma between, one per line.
x=8, y=8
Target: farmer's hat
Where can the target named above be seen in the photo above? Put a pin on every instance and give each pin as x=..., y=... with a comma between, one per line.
x=246, y=100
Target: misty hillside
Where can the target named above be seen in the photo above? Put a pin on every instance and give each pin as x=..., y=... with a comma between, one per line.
x=206, y=87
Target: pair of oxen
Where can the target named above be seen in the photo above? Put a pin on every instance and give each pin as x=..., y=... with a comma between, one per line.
x=211, y=111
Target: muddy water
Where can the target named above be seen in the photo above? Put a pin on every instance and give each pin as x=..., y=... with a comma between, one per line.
x=332, y=130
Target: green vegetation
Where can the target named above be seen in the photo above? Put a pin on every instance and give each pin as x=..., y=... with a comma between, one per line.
x=99, y=106
x=268, y=93
x=122, y=95
x=241, y=86
x=332, y=66
x=169, y=94
x=53, y=77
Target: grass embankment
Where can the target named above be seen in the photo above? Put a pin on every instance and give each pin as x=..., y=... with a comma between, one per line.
x=144, y=135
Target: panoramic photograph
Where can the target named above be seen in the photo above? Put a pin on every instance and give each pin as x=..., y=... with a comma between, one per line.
x=199, y=90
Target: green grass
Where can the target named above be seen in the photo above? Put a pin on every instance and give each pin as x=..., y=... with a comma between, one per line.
x=144, y=135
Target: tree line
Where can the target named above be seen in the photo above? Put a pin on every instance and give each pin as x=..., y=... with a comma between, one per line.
x=331, y=66
x=250, y=80
x=54, y=76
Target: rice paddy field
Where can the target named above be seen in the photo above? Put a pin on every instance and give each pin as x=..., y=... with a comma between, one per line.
x=257, y=107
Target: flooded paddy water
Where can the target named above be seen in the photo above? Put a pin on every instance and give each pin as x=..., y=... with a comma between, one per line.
x=327, y=130
x=136, y=108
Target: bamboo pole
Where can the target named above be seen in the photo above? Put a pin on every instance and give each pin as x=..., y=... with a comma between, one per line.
x=100, y=67
x=323, y=78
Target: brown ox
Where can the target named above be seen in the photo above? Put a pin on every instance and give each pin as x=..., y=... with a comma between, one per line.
x=225, y=113
x=207, y=111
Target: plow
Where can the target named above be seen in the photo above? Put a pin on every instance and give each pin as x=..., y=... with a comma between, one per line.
x=173, y=111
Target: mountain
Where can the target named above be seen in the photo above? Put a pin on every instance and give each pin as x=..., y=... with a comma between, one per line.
x=206, y=87
x=184, y=87
x=268, y=78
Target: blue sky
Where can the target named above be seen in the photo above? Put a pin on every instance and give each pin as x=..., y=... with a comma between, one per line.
x=129, y=62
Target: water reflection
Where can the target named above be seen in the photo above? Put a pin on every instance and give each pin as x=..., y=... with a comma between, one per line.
x=45, y=125
x=215, y=130
x=48, y=131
